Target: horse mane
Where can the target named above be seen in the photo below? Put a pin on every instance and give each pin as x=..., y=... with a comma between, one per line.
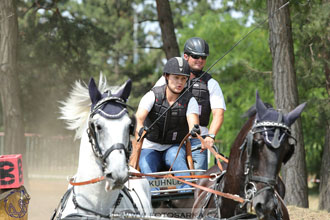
x=244, y=131
x=75, y=109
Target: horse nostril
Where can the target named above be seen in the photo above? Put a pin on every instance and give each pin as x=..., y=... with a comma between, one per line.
x=259, y=210
x=109, y=175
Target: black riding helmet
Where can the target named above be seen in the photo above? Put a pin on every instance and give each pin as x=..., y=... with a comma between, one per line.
x=177, y=66
x=196, y=46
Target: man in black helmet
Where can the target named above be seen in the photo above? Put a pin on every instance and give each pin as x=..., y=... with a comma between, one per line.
x=162, y=140
x=208, y=95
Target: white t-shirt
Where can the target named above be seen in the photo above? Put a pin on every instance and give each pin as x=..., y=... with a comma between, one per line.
x=147, y=102
x=216, y=97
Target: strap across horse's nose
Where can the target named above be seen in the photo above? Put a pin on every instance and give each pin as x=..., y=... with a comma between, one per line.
x=275, y=142
x=117, y=146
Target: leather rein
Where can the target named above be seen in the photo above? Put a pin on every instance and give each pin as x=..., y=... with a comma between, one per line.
x=212, y=177
x=249, y=194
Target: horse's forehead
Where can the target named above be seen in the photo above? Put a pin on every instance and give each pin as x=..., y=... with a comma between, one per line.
x=110, y=122
x=112, y=110
x=270, y=115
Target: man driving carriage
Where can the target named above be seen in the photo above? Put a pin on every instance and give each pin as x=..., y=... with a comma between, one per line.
x=208, y=95
x=162, y=140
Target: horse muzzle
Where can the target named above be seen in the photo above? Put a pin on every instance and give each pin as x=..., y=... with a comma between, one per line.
x=115, y=180
x=264, y=204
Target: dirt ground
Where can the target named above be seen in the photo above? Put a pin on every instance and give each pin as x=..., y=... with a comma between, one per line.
x=46, y=194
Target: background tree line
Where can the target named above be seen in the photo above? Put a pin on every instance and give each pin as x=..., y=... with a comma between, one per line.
x=52, y=43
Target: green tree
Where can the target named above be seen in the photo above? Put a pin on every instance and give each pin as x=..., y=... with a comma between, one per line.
x=312, y=33
x=170, y=45
x=286, y=97
x=10, y=88
x=240, y=67
x=70, y=40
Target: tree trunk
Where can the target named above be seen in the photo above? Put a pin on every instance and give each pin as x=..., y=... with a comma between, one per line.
x=170, y=45
x=324, y=201
x=9, y=89
x=286, y=98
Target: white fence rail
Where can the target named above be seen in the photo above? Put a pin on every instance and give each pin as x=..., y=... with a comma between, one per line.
x=49, y=157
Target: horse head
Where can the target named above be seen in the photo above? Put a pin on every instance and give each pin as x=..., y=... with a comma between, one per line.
x=268, y=144
x=108, y=132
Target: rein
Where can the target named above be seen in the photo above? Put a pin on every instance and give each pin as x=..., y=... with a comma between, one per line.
x=226, y=195
x=92, y=181
x=215, y=154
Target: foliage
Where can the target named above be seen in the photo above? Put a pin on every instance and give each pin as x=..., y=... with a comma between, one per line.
x=249, y=62
x=66, y=41
x=311, y=31
x=63, y=41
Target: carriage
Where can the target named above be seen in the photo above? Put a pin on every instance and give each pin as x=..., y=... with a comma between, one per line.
x=250, y=178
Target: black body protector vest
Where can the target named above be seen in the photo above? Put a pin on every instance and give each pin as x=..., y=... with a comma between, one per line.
x=202, y=95
x=172, y=127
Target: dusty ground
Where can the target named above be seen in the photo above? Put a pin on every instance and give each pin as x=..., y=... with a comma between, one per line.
x=307, y=214
x=45, y=195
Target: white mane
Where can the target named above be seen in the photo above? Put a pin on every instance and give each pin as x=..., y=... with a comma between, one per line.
x=75, y=109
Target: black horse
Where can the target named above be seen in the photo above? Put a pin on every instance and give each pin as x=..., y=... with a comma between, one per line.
x=262, y=145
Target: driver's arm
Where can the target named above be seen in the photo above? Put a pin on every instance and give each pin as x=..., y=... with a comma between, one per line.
x=141, y=116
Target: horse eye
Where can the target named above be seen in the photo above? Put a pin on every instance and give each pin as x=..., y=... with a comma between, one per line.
x=98, y=127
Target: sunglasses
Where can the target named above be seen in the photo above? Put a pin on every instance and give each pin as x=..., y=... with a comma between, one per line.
x=196, y=57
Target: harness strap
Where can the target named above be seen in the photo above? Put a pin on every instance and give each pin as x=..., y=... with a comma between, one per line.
x=95, y=180
x=117, y=203
x=226, y=195
x=76, y=204
x=275, y=142
x=177, y=153
x=216, y=155
x=284, y=212
x=117, y=146
x=137, y=195
x=61, y=205
x=125, y=190
x=169, y=176
x=247, y=166
x=269, y=181
x=209, y=195
x=136, y=152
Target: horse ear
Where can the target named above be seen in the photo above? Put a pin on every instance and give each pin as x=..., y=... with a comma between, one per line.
x=94, y=93
x=288, y=154
x=260, y=106
x=124, y=90
x=294, y=114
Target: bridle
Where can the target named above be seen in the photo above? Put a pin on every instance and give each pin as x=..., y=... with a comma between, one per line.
x=93, y=139
x=263, y=128
x=92, y=135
